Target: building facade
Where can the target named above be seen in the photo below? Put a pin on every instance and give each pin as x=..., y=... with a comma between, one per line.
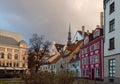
x=13, y=52
x=111, y=40
x=91, y=55
x=75, y=65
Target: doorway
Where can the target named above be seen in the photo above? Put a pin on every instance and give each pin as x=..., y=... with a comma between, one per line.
x=92, y=73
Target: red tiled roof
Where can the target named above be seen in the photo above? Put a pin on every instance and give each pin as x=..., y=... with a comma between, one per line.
x=72, y=47
x=91, y=34
x=59, y=46
x=56, y=59
x=80, y=32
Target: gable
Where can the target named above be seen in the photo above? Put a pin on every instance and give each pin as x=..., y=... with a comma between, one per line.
x=96, y=33
x=77, y=37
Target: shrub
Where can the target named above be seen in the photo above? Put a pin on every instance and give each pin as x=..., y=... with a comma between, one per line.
x=48, y=78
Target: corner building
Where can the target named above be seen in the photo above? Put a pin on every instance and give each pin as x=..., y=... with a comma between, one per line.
x=112, y=40
x=13, y=53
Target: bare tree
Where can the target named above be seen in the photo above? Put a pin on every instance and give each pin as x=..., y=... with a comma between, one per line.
x=38, y=49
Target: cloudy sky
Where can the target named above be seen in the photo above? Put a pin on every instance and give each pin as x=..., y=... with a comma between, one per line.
x=50, y=18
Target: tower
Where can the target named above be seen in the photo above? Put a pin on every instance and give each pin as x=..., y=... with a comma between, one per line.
x=69, y=36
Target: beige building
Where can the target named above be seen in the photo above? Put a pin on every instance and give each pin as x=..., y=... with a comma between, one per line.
x=13, y=52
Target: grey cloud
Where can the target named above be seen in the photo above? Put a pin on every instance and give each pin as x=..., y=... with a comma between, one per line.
x=49, y=17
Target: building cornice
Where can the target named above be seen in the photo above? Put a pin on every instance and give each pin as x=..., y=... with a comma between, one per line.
x=104, y=2
x=112, y=55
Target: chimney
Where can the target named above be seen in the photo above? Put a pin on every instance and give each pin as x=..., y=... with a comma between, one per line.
x=97, y=26
x=101, y=19
x=88, y=32
x=83, y=31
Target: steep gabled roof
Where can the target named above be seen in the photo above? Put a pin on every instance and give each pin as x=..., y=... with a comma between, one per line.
x=72, y=47
x=59, y=47
x=56, y=59
x=80, y=32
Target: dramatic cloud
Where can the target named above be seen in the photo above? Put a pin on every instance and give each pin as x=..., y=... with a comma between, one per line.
x=49, y=17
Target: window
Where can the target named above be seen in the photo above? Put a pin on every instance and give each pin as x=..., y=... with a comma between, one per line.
x=97, y=72
x=16, y=51
x=112, y=67
x=10, y=65
x=96, y=33
x=75, y=55
x=86, y=40
x=23, y=58
x=7, y=64
x=86, y=60
x=92, y=47
x=2, y=55
x=97, y=58
x=112, y=7
x=2, y=49
x=111, y=44
x=14, y=64
x=87, y=72
x=3, y=64
x=54, y=66
x=16, y=57
x=23, y=65
x=0, y=63
x=96, y=45
x=9, y=50
x=85, y=50
x=91, y=59
x=17, y=65
x=112, y=25
x=83, y=72
x=9, y=56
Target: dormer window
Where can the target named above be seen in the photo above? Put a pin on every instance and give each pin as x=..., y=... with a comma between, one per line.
x=66, y=52
x=86, y=40
x=75, y=55
x=96, y=33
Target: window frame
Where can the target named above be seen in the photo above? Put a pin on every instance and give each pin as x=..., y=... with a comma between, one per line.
x=111, y=25
x=9, y=56
x=112, y=67
x=15, y=57
x=111, y=43
x=2, y=55
x=112, y=8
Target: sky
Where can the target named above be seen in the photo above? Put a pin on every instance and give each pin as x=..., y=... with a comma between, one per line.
x=50, y=18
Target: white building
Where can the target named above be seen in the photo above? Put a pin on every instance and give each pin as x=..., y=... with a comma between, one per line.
x=79, y=35
x=112, y=40
x=74, y=65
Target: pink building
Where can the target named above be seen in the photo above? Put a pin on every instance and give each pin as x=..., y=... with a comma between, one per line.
x=91, y=55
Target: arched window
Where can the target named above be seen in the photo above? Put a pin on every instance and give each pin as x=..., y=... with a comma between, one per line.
x=2, y=55
x=9, y=56
x=16, y=56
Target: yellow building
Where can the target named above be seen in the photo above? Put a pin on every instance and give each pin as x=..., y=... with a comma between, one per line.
x=13, y=52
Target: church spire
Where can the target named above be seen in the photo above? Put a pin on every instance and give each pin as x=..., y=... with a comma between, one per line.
x=69, y=36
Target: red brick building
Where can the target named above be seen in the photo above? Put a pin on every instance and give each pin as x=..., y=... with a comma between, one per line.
x=91, y=55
